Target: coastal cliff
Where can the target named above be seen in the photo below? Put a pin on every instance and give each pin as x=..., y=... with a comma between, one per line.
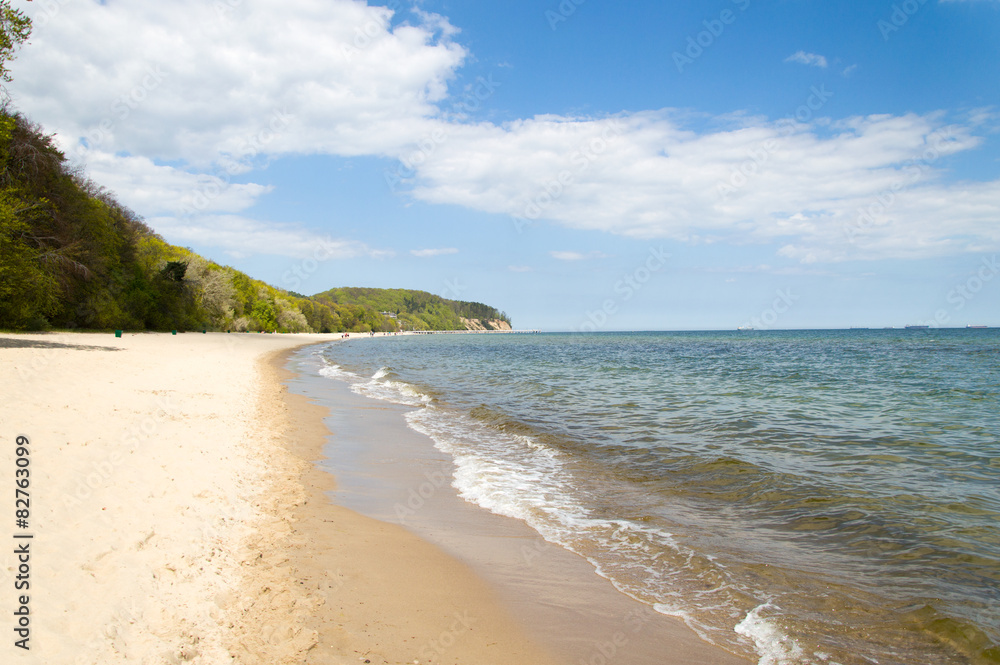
x=485, y=324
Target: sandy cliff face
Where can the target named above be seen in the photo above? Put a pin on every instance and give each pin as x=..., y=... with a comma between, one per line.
x=478, y=324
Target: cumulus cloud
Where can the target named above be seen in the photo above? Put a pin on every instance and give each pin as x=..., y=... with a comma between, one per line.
x=165, y=105
x=810, y=59
x=646, y=176
x=429, y=253
x=577, y=256
x=175, y=105
x=142, y=184
x=202, y=81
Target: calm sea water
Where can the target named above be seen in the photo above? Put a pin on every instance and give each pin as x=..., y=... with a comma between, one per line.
x=796, y=497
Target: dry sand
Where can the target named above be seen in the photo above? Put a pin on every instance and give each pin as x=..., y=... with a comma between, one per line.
x=177, y=517
x=171, y=523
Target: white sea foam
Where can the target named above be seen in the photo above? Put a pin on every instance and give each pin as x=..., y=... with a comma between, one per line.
x=379, y=387
x=393, y=391
x=332, y=371
x=508, y=474
x=773, y=645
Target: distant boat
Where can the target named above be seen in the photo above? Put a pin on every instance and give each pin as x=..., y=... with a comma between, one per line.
x=744, y=328
x=977, y=327
x=917, y=327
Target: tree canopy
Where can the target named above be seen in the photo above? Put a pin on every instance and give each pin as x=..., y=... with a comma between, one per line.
x=415, y=310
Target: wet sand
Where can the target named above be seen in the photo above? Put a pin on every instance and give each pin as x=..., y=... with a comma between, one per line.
x=388, y=471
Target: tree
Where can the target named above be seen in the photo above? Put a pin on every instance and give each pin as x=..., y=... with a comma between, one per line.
x=290, y=318
x=28, y=292
x=174, y=271
x=263, y=312
x=15, y=27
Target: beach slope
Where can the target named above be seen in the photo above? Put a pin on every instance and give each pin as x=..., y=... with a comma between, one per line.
x=175, y=517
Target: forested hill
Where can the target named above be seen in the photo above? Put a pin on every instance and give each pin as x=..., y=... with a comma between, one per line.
x=71, y=256
x=418, y=310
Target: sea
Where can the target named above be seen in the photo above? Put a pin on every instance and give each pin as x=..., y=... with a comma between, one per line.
x=795, y=497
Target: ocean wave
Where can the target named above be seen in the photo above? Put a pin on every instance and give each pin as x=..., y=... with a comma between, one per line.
x=814, y=501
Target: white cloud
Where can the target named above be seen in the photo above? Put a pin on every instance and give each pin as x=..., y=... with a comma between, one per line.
x=171, y=101
x=240, y=237
x=520, y=268
x=165, y=104
x=645, y=175
x=428, y=253
x=577, y=256
x=567, y=256
x=804, y=58
x=198, y=81
x=142, y=184
x=204, y=209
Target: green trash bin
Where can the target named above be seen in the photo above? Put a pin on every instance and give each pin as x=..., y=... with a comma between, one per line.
x=173, y=332
x=118, y=333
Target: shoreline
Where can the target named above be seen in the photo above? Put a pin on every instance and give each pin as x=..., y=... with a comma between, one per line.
x=390, y=472
x=179, y=518
x=184, y=515
x=391, y=597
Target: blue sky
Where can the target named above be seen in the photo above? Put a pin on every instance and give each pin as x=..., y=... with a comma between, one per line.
x=581, y=165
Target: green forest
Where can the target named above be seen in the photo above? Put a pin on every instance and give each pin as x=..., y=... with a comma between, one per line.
x=415, y=310
x=73, y=257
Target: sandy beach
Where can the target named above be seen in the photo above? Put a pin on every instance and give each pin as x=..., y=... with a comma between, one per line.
x=177, y=516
